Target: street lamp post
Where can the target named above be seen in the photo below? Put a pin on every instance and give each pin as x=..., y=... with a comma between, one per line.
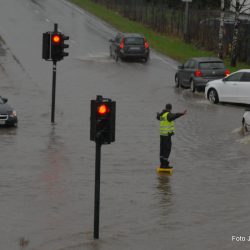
x=186, y=26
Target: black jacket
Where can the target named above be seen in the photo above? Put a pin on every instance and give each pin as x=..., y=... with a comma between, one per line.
x=170, y=117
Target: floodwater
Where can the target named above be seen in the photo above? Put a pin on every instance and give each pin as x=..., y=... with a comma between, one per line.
x=47, y=170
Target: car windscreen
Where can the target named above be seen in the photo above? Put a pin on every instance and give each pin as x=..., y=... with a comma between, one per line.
x=211, y=65
x=245, y=77
x=133, y=41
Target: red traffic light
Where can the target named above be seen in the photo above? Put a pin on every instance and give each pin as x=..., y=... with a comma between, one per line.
x=103, y=109
x=56, y=38
x=102, y=120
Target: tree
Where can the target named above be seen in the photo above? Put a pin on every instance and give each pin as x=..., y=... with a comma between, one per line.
x=221, y=30
x=240, y=7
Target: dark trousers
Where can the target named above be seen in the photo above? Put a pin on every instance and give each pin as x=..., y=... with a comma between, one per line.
x=165, y=149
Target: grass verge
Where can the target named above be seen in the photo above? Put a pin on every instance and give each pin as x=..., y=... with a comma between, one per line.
x=170, y=46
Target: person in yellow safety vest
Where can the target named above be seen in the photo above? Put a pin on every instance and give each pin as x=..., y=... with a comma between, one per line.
x=166, y=119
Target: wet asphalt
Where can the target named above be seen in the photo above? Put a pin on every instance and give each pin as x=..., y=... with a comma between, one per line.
x=47, y=170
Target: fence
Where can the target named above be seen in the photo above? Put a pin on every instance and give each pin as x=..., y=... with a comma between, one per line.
x=203, y=24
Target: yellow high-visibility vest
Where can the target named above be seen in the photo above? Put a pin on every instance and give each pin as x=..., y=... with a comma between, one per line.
x=166, y=127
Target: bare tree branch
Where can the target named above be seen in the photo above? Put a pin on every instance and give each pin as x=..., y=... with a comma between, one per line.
x=244, y=11
x=239, y=5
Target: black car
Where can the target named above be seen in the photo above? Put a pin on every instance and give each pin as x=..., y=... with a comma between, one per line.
x=8, y=115
x=129, y=45
x=196, y=72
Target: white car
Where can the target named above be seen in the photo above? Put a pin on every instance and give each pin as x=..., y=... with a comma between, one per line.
x=246, y=121
x=234, y=88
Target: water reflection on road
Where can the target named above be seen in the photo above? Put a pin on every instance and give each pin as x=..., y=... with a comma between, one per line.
x=47, y=171
x=163, y=195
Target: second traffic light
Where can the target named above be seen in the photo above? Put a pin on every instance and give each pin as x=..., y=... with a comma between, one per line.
x=57, y=46
x=102, y=127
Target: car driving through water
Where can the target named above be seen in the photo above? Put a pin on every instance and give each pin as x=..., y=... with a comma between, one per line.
x=246, y=121
x=129, y=45
x=8, y=116
x=234, y=88
x=197, y=71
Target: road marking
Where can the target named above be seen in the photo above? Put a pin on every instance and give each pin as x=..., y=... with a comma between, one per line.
x=109, y=29
x=165, y=61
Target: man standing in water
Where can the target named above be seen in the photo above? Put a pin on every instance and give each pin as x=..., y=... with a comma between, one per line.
x=166, y=119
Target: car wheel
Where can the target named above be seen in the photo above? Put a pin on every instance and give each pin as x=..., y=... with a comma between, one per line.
x=192, y=84
x=145, y=59
x=213, y=96
x=177, y=81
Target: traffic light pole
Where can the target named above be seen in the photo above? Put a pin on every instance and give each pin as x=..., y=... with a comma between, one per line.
x=186, y=24
x=54, y=85
x=53, y=50
x=102, y=132
x=53, y=93
x=97, y=189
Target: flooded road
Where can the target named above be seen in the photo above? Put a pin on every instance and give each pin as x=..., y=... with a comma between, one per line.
x=47, y=171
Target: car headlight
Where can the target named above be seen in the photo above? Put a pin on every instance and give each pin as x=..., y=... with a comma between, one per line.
x=13, y=114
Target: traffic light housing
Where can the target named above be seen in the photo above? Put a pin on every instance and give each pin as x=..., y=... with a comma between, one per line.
x=64, y=46
x=46, y=46
x=102, y=127
x=58, y=46
x=55, y=41
x=54, y=45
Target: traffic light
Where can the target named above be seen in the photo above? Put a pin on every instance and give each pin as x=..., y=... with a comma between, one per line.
x=102, y=127
x=57, y=46
x=54, y=45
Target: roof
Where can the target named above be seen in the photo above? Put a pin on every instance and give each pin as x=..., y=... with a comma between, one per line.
x=206, y=59
x=244, y=70
x=131, y=35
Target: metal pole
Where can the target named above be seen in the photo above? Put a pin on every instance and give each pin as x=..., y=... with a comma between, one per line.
x=53, y=93
x=97, y=189
x=186, y=35
x=55, y=27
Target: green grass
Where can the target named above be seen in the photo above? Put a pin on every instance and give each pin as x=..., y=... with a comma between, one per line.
x=170, y=46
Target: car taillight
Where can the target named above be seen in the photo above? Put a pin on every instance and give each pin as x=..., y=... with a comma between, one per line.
x=122, y=44
x=146, y=45
x=227, y=72
x=198, y=73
